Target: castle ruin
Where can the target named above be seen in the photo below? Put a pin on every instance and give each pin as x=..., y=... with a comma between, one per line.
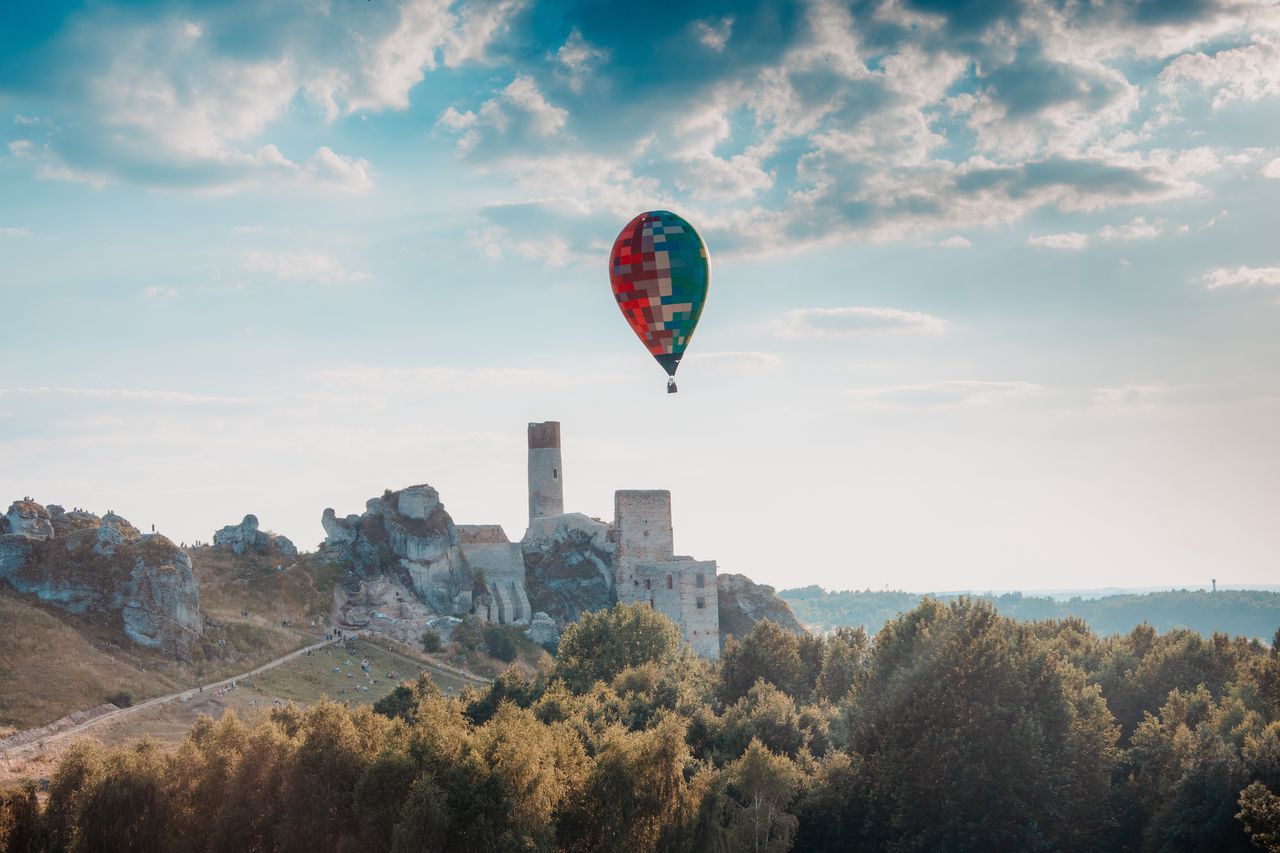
x=645, y=567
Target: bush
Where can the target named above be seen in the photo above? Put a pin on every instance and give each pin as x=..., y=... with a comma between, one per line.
x=469, y=634
x=123, y=699
x=499, y=644
x=430, y=641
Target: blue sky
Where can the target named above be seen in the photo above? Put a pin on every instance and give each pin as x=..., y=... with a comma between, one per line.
x=995, y=293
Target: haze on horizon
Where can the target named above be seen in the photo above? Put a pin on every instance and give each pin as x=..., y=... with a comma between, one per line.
x=994, y=299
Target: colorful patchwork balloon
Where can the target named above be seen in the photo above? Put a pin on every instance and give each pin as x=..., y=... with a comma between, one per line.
x=660, y=272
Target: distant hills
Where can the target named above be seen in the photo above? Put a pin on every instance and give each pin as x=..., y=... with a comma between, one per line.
x=1249, y=613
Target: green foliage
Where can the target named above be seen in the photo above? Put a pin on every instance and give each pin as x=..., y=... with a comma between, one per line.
x=964, y=713
x=21, y=824
x=768, y=653
x=1260, y=813
x=603, y=643
x=957, y=729
x=469, y=633
x=431, y=641
x=122, y=699
x=1249, y=613
x=499, y=643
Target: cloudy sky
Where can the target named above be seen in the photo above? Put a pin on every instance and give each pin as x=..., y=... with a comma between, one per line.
x=995, y=301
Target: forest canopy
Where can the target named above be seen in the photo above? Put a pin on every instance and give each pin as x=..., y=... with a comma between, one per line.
x=1245, y=612
x=956, y=728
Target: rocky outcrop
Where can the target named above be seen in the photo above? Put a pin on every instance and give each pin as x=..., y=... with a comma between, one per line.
x=743, y=603
x=109, y=570
x=246, y=538
x=27, y=519
x=568, y=565
x=543, y=630
x=409, y=535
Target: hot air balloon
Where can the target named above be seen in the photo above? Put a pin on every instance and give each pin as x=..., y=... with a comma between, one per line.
x=660, y=272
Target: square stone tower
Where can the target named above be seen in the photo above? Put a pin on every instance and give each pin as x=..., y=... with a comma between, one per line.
x=546, y=473
x=645, y=569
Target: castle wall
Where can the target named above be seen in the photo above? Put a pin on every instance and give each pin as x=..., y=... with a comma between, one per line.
x=546, y=471
x=645, y=570
x=642, y=534
x=685, y=592
x=503, y=567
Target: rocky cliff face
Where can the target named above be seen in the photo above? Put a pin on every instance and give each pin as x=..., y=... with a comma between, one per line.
x=103, y=566
x=245, y=537
x=568, y=566
x=409, y=535
x=743, y=603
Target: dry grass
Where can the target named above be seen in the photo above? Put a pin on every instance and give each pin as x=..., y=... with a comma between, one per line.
x=300, y=593
x=50, y=666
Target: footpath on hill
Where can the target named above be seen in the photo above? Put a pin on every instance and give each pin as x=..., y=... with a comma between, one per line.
x=33, y=740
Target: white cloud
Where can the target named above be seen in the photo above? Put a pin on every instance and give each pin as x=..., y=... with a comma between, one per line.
x=154, y=292
x=956, y=242
x=945, y=394
x=18, y=118
x=1246, y=73
x=1071, y=241
x=1242, y=277
x=15, y=233
x=731, y=361
x=131, y=394
x=301, y=266
x=714, y=34
x=1136, y=229
x=854, y=321
x=578, y=59
x=1272, y=169
x=1131, y=395
x=523, y=94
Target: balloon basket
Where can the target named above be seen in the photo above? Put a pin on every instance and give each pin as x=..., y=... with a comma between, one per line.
x=671, y=386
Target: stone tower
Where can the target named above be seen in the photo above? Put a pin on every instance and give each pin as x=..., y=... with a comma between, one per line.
x=546, y=476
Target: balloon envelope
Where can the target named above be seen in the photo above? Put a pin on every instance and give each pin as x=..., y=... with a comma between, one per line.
x=660, y=272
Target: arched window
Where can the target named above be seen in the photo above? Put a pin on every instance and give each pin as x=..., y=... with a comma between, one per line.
x=670, y=582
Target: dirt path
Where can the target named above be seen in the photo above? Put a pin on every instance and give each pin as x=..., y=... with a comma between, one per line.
x=19, y=749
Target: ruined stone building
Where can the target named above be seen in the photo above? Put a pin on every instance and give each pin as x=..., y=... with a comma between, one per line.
x=640, y=540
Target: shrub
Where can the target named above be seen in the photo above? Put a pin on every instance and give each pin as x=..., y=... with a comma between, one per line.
x=498, y=643
x=123, y=699
x=430, y=641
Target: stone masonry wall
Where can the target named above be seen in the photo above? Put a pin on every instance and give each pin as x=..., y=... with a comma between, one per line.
x=546, y=472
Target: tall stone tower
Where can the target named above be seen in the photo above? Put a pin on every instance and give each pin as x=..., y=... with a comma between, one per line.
x=546, y=476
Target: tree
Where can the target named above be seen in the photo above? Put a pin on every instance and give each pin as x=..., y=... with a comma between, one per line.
x=430, y=641
x=978, y=737
x=1260, y=814
x=843, y=660
x=768, y=652
x=21, y=825
x=634, y=790
x=605, y=642
x=761, y=785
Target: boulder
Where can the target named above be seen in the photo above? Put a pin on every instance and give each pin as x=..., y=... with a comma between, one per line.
x=568, y=565
x=245, y=537
x=543, y=629
x=743, y=603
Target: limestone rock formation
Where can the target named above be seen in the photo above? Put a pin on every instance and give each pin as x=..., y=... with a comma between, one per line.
x=543, y=630
x=568, y=565
x=410, y=536
x=743, y=603
x=245, y=537
x=27, y=519
x=111, y=570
